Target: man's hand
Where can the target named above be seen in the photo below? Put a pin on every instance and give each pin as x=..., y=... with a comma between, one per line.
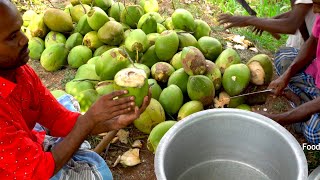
x=107, y=107
x=233, y=21
x=257, y=31
x=122, y=120
x=125, y=119
x=274, y=117
x=278, y=85
x=279, y=118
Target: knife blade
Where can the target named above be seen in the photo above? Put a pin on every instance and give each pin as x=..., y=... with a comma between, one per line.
x=247, y=94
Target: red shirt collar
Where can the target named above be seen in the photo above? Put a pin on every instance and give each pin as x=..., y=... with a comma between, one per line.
x=6, y=87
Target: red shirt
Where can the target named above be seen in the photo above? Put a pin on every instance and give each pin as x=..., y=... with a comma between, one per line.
x=22, y=105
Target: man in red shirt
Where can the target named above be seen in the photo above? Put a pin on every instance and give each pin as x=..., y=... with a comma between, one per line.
x=24, y=101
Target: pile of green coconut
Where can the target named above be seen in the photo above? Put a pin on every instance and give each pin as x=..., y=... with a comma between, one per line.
x=115, y=46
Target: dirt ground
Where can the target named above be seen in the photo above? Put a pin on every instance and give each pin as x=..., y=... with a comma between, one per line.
x=145, y=170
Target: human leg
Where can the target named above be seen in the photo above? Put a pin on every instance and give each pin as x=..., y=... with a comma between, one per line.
x=283, y=58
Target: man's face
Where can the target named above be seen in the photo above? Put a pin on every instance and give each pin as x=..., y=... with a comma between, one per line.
x=13, y=43
x=316, y=6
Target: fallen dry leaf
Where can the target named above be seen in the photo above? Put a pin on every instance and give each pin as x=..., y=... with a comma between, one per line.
x=114, y=140
x=237, y=46
x=103, y=134
x=208, y=10
x=254, y=49
x=248, y=43
x=238, y=39
x=241, y=42
x=229, y=45
x=117, y=161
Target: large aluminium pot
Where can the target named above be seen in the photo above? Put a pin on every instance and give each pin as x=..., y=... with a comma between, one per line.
x=229, y=144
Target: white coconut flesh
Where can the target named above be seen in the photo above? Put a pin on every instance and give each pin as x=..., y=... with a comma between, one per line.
x=130, y=77
x=130, y=157
x=224, y=99
x=257, y=73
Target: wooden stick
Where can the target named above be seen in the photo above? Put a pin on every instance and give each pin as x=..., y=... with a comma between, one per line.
x=105, y=141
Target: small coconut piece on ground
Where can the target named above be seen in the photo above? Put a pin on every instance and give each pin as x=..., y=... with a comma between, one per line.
x=137, y=144
x=221, y=100
x=130, y=158
x=123, y=136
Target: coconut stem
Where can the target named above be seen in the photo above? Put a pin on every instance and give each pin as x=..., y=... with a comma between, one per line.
x=86, y=80
x=51, y=4
x=91, y=5
x=173, y=6
x=137, y=56
x=171, y=117
x=85, y=11
x=131, y=61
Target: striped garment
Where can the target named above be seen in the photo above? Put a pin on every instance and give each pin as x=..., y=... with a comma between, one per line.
x=304, y=86
x=85, y=164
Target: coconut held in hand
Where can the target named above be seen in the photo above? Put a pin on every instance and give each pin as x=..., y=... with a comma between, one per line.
x=135, y=81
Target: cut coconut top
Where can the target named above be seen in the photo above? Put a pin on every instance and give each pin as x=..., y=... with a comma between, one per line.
x=257, y=73
x=130, y=77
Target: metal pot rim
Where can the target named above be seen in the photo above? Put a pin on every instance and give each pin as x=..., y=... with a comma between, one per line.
x=295, y=146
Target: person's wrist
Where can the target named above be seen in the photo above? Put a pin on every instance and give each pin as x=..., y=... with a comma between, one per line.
x=286, y=76
x=87, y=121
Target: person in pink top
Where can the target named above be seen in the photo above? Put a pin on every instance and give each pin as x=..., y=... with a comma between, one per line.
x=302, y=76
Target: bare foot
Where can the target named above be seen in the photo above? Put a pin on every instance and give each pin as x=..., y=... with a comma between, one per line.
x=292, y=97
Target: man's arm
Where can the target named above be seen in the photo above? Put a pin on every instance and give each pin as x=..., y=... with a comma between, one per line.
x=304, y=58
x=63, y=151
x=300, y=114
x=287, y=25
x=283, y=15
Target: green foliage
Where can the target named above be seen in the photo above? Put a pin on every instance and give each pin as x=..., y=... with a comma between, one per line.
x=313, y=157
x=264, y=8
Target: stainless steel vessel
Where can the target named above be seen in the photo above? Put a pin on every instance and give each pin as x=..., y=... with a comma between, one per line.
x=229, y=144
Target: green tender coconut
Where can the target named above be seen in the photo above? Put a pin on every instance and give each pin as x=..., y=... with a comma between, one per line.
x=235, y=79
x=153, y=115
x=157, y=133
x=135, y=81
